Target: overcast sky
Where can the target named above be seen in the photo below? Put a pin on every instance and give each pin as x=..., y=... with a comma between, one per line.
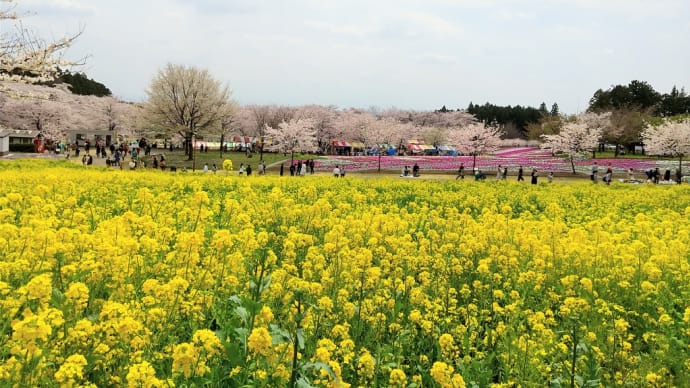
x=383, y=53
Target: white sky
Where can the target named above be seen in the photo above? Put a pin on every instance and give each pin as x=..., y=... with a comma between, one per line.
x=384, y=53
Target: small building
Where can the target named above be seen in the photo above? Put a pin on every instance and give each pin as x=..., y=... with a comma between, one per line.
x=93, y=136
x=4, y=141
x=19, y=140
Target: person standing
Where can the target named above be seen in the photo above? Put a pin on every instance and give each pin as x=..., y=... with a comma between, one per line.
x=282, y=167
x=499, y=173
x=657, y=175
x=521, y=174
x=249, y=169
x=595, y=171
x=534, y=176
x=505, y=173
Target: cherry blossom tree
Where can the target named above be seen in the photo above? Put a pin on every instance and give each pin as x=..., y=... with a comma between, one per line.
x=129, y=120
x=670, y=138
x=252, y=120
x=476, y=139
x=578, y=137
x=186, y=100
x=437, y=119
x=380, y=132
x=597, y=122
x=289, y=136
x=323, y=118
x=435, y=136
x=353, y=124
x=24, y=57
x=59, y=114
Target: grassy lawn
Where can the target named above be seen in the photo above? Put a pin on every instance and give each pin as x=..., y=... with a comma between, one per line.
x=178, y=159
x=612, y=155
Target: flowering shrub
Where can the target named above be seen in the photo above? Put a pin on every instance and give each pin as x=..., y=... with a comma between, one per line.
x=147, y=279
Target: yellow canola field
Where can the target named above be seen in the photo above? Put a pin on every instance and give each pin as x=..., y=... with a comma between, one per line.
x=152, y=279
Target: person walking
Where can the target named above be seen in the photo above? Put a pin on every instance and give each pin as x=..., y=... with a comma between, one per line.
x=520, y=174
x=461, y=172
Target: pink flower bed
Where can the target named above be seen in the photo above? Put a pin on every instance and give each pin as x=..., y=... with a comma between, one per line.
x=528, y=157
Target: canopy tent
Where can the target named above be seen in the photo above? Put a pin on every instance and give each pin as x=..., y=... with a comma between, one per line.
x=415, y=147
x=340, y=143
x=448, y=150
x=242, y=139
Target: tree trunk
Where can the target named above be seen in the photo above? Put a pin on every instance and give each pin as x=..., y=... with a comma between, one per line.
x=572, y=163
x=680, y=164
x=222, y=139
x=190, y=147
x=261, y=148
x=474, y=161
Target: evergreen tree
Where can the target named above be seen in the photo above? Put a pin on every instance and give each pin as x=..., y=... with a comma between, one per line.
x=554, y=110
